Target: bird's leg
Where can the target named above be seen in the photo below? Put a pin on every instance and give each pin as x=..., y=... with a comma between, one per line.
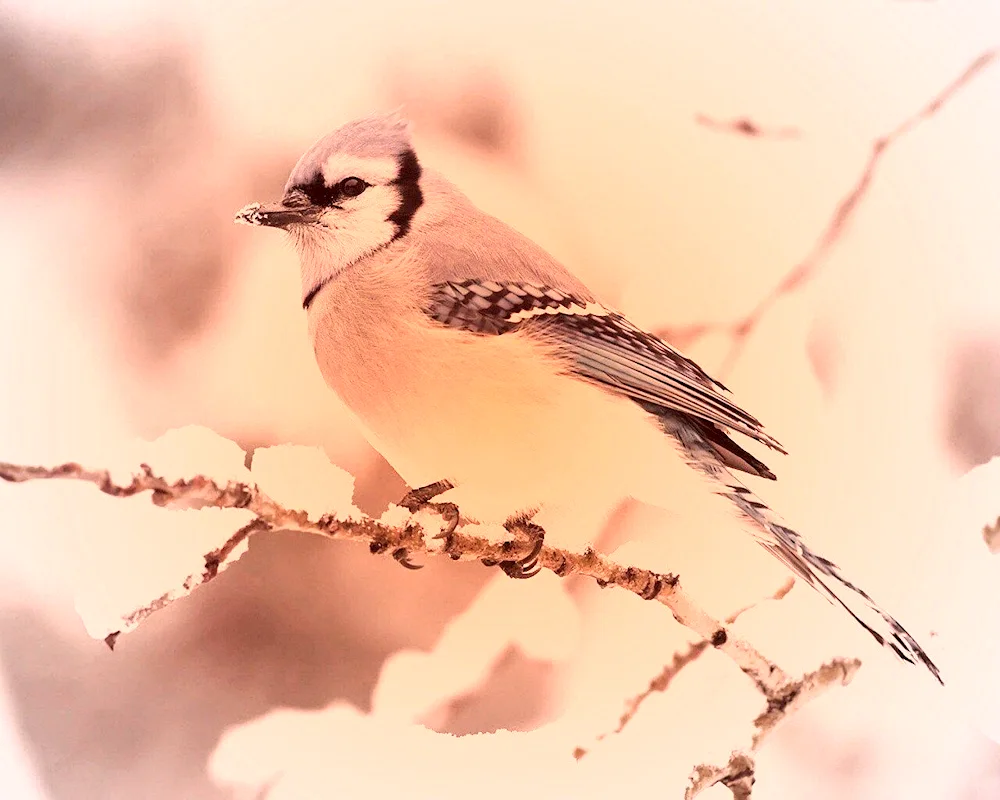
x=420, y=498
x=527, y=566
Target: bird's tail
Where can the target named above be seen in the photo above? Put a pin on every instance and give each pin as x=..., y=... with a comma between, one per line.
x=787, y=546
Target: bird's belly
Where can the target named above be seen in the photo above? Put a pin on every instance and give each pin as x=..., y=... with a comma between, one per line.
x=492, y=414
x=497, y=416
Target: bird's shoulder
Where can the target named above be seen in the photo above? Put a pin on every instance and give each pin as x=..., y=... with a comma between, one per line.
x=455, y=240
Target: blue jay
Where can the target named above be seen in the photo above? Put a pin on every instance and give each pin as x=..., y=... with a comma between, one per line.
x=467, y=353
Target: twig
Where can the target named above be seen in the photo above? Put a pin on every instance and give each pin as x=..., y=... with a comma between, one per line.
x=807, y=268
x=744, y=126
x=737, y=774
x=839, y=671
x=680, y=660
x=454, y=542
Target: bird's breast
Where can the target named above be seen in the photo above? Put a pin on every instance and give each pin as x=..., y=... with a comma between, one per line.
x=440, y=403
x=419, y=387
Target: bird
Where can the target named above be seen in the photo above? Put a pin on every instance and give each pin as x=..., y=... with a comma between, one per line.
x=467, y=353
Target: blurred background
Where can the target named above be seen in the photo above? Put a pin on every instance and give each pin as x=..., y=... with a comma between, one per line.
x=683, y=157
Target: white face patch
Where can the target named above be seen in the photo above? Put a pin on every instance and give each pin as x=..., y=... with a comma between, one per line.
x=372, y=170
x=343, y=236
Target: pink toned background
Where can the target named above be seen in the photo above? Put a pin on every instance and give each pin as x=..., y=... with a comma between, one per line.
x=683, y=158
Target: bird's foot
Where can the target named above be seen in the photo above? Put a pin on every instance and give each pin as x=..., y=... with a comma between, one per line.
x=418, y=499
x=528, y=566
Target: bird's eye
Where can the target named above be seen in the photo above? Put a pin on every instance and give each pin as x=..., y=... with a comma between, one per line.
x=352, y=187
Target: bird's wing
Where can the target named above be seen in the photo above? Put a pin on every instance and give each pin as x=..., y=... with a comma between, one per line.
x=601, y=346
x=604, y=347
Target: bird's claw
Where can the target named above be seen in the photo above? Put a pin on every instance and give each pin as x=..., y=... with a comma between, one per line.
x=528, y=566
x=520, y=569
x=449, y=512
x=401, y=554
x=403, y=557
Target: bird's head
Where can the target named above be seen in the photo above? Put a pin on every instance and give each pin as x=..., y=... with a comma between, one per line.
x=351, y=194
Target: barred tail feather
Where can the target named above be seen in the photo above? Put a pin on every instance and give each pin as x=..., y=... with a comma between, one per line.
x=787, y=546
x=824, y=576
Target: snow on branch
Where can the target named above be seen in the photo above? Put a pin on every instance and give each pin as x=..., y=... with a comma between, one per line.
x=425, y=529
x=298, y=489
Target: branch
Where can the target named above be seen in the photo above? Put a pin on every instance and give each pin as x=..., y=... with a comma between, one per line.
x=418, y=525
x=680, y=660
x=737, y=774
x=444, y=536
x=807, y=268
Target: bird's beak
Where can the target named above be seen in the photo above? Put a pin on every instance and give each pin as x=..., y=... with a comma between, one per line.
x=276, y=215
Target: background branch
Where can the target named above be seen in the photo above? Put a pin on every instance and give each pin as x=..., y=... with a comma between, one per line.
x=806, y=269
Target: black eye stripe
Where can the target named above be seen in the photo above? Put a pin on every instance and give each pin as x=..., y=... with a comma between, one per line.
x=318, y=192
x=407, y=182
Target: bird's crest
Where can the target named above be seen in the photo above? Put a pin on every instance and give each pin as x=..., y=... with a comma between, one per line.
x=378, y=136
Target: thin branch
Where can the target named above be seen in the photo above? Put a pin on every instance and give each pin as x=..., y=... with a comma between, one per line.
x=744, y=126
x=839, y=671
x=214, y=562
x=737, y=774
x=447, y=539
x=807, y=268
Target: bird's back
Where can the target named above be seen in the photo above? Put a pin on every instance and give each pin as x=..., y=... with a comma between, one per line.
x=455, y=240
